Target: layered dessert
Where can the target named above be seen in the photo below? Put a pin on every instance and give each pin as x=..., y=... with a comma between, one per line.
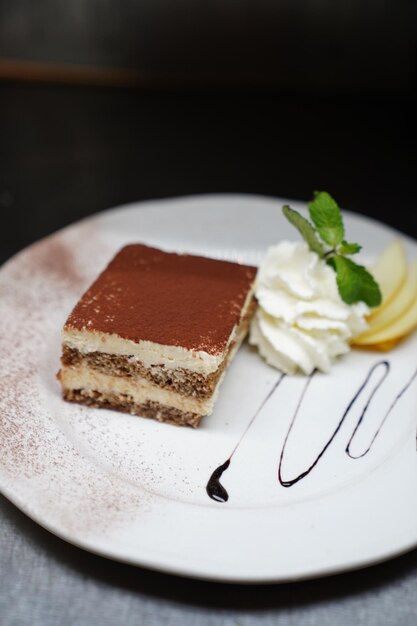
x=154, y=334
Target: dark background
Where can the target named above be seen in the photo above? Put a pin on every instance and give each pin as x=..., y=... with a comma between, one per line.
x=105, y=102
x=266, y=97
x=345, y=45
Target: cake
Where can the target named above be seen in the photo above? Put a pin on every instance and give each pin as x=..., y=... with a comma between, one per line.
x=154, y=334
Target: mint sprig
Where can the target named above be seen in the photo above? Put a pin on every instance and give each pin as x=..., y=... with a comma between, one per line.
x=354, y=282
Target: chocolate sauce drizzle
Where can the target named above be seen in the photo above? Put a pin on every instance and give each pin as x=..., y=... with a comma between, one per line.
x=381, y=369
x=384, y=419
x=214, y=488
x=386, y=367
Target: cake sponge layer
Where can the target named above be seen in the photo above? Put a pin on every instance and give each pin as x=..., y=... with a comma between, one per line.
x=183, y=381
x=126, y=404
x=139, y=389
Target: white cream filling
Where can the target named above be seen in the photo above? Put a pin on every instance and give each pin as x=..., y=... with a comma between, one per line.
x=146, y=352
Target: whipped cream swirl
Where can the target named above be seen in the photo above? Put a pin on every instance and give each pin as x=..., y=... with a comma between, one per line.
x=301, y=322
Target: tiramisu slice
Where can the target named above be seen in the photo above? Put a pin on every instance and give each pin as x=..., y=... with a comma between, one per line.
x=155, y=332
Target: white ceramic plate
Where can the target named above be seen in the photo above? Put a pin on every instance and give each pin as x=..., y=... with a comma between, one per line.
x=135, y=490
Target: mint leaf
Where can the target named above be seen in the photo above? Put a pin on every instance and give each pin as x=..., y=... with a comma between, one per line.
x=349, y=248
x=355, y=283
x=305, y=228
x=327, y=218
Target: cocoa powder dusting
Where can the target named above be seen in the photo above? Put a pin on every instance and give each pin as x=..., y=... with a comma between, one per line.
x=51, y=257
x=40, y=468
x=167, y=298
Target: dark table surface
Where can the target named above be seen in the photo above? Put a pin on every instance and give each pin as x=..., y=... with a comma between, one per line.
x=66, y=152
